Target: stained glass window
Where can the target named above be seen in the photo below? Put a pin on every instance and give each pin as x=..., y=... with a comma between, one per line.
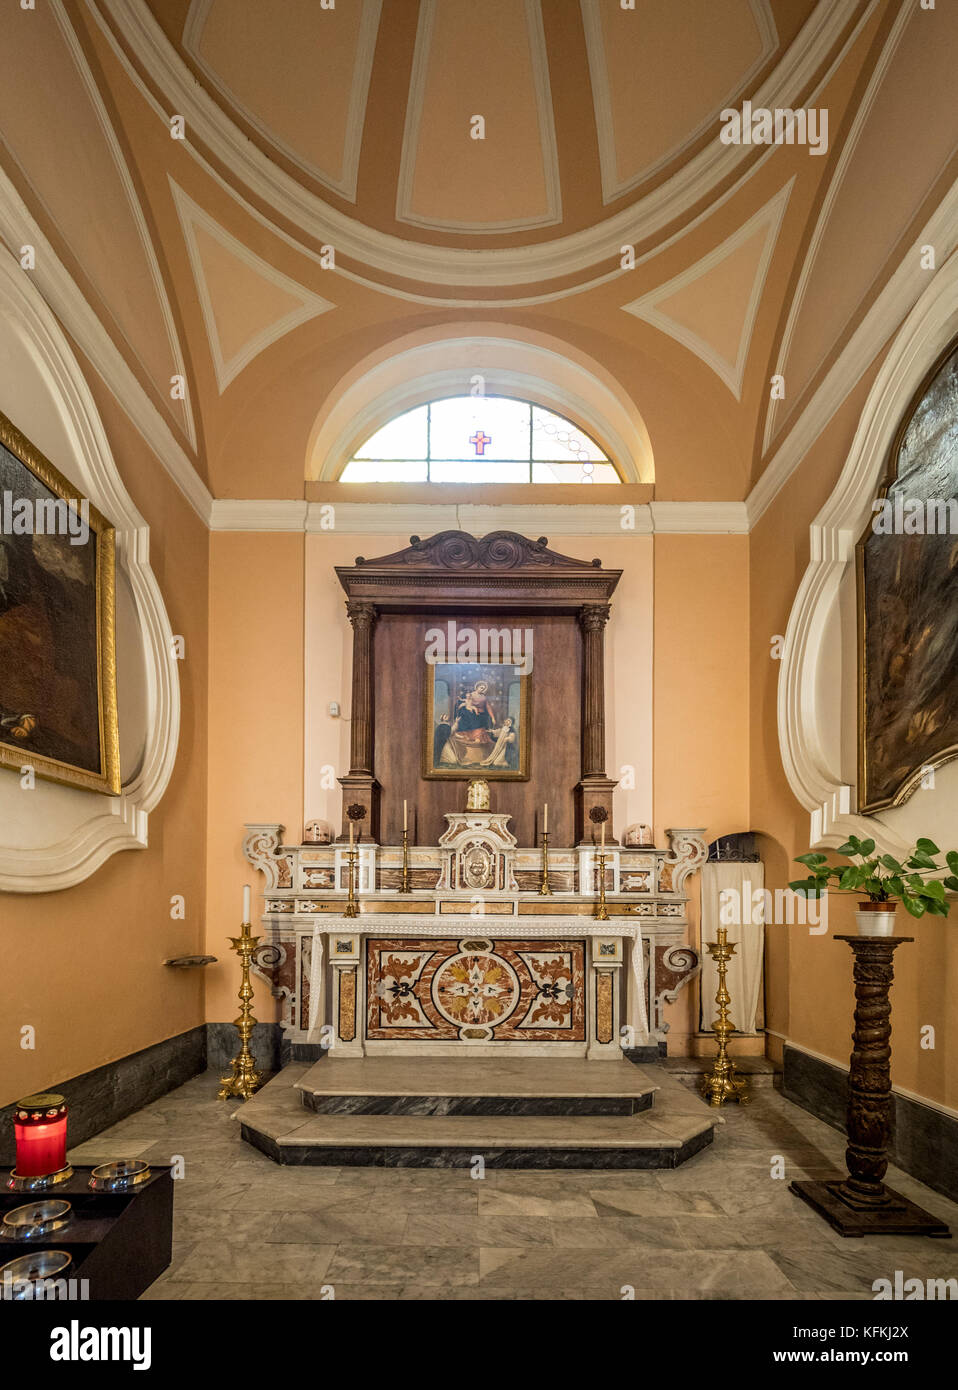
x=480, y=439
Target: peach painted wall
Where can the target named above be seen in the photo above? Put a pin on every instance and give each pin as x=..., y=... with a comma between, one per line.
x=256, y=732
x=809, y=995
x=701, y=706
x=85, y=966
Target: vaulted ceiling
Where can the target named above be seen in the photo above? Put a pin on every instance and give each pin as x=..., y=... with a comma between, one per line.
x=260, y=198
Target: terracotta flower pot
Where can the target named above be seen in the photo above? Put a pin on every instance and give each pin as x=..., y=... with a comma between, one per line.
x=876, y=919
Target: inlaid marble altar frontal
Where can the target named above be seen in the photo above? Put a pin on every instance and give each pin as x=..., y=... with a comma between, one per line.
x=473, y=989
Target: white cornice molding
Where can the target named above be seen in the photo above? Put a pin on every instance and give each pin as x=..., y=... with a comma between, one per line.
x=904, y=288
x=571, y=255
x=806, y=700
x=700, y=518
x=108, y=823
x=647, y=307
x=311, y=305
x=543, y=518
x=414, y=111
x=612, y=186
x=60, y=291
x=345, y=186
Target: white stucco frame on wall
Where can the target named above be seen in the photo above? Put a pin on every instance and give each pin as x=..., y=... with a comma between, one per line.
x=99, y=825
x=807, y=703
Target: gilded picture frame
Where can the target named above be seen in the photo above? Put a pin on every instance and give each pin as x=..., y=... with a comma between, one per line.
x=463, y=725
x=58, y=697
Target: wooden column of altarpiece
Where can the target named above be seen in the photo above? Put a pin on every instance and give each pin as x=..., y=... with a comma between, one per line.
x=496, y=574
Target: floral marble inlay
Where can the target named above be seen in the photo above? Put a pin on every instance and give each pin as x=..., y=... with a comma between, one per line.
x=447, y=988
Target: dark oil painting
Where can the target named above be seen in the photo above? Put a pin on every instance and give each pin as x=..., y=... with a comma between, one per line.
x=57, y=664
x=908, y=605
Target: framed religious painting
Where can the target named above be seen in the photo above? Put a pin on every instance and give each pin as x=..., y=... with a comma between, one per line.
x=908, y=603
x=58, y=712
x=476, y=721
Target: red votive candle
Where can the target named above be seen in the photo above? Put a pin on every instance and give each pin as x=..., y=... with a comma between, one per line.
x=40, y=1129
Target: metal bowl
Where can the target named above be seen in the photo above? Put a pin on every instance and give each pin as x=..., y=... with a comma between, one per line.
x=119, y=1176
x=20, y=1275
x=36, y=1219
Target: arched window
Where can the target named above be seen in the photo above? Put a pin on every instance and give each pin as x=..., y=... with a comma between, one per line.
x=479, y=439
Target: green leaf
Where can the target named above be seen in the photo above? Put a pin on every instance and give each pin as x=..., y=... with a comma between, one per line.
x=927, y=847
x=812, y=860
x=934, y=889
x=936, y=909
x=851, y=878
x=916, y=906
x=892, y=863
x=920, y=860
x=849, y=847
x=806, y=888
x=951, y=883
x=866, y=847
x=952, y=858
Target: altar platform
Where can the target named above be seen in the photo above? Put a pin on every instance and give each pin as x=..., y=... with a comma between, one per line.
x=443, y=1112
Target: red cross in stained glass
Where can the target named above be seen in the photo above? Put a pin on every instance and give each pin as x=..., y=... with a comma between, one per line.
x=480, y=440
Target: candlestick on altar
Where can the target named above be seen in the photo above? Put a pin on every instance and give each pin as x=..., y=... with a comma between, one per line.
x=601, y=912
x=243, y=1079
x=405, y=860
x=351, y=910
x=544, y=888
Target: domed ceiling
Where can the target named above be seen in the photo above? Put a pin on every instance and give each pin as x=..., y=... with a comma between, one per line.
x=264, y=199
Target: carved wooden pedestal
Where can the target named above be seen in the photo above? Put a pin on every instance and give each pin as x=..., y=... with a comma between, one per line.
x=861, y=1204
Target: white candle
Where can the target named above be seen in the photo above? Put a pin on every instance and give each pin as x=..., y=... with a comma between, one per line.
x=603, y=835
x=405, y=816
x=350, y=834
x=545, y=819
x=246, y=901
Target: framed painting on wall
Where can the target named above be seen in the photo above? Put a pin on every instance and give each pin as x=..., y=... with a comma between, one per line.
x=58, y=711
x=908, y=603
x=476, y=721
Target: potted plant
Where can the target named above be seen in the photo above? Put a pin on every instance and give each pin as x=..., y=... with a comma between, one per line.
x=882, y=882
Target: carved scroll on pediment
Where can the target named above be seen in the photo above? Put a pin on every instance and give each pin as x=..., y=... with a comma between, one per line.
x=458, y=550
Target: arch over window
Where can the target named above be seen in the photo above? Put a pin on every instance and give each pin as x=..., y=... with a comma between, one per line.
x=479, y=439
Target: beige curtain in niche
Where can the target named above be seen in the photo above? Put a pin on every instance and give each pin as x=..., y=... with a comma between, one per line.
x=742, y=918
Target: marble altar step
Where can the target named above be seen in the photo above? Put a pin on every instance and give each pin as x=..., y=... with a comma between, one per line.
x=487, y=1086
x=277, y=1122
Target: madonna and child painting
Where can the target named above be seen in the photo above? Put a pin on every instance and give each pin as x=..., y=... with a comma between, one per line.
x=476, y=719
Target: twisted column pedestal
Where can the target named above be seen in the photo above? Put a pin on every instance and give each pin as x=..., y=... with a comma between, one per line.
x=861, y=1204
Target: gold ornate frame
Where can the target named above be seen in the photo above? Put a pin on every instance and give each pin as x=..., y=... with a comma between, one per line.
x=465, y=774
x=18, y=756
x=909, y=784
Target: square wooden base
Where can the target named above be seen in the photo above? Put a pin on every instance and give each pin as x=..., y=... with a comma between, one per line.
x=898, y=1218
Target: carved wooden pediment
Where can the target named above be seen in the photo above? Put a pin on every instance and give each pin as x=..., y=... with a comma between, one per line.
x=500, y=569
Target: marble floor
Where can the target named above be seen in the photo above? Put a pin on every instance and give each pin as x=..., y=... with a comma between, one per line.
x=722, y=1226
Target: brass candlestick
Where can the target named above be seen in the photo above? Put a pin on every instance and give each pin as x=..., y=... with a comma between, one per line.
x=545, y=890
x=351, y=910
x=405, y=862
x=243, y=1078
x=601, y=912
x=722, y=1083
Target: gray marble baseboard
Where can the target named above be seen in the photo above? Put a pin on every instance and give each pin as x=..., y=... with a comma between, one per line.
x=924, y=1142
x=222, y=1045
x=107, y=1094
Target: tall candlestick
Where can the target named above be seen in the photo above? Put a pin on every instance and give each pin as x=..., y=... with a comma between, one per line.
x=545, y=819
x=405, y=815
x=246, y=901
